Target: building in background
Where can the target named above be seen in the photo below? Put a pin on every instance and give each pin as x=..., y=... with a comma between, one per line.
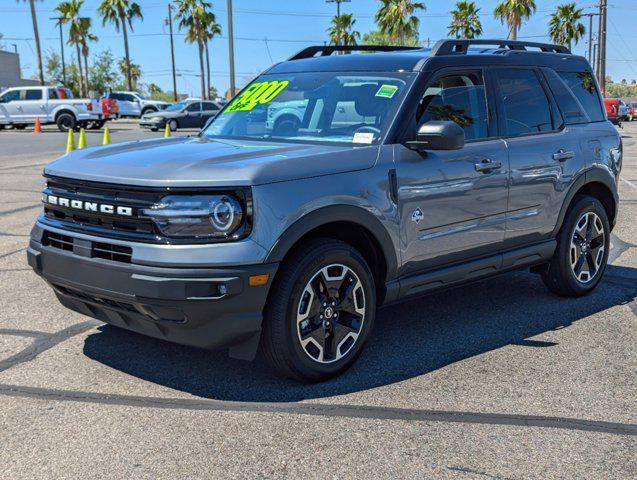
x=10, y=72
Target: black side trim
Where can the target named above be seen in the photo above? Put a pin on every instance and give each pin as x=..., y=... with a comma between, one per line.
x=477, y=269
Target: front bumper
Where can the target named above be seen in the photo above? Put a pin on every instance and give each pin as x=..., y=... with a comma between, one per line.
x=201, y=307
x=147, y=123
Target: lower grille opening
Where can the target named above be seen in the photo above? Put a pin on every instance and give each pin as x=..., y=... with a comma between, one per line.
x=56, y=240
x=114, y=253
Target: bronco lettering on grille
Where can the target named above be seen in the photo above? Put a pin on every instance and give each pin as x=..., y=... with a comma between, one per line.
x=88, y=206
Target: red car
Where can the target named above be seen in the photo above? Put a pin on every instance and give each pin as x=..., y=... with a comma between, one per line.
x=632, y=111
x=612, y=110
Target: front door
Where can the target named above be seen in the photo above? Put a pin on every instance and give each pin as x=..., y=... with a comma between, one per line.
x=453, y=203
x=193, y=116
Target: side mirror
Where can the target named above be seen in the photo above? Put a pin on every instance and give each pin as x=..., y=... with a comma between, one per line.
x=438, y=135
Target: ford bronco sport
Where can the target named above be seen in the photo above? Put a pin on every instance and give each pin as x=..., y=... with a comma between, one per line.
x=410, y=170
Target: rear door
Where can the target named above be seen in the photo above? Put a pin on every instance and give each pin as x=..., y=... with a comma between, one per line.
x=453, y=203
x=208, y=109
x=33, y=105
x=544, y=154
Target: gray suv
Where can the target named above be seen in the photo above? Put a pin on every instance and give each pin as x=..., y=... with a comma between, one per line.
x=409, y=171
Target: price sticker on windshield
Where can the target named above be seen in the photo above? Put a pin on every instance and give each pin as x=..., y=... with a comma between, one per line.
x=258, y=93
x=387, y=91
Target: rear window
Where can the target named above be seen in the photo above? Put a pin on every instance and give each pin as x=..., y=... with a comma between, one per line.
x=583, y=86
x=571, y=108
x=33, y=95
x=526, y=107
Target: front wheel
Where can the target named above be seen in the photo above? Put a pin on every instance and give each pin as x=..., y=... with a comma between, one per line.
x=66, y=122
x=172, y=124
x=320, y=311
x=582, y=250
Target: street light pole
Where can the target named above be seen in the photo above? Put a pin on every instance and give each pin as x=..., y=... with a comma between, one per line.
x=172, y=50
x=590, y=36
x=231, y=49
x=61, y=50
x=338, y=18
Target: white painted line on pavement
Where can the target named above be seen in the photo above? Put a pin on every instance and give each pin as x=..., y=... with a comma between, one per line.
x=629, y=183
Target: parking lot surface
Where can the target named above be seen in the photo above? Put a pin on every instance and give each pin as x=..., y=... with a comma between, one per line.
x=498, y=379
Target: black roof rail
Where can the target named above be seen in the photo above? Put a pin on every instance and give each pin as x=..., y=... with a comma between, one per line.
x=460, y=47
x=327, y=50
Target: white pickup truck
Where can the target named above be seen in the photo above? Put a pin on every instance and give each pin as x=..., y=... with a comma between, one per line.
x=20, y=106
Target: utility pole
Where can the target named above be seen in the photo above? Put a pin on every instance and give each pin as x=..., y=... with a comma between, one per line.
x=601, y=51
x=590, y=36
x=61, y=50
x=231, y=50
x=169, y=21
x=338, y=17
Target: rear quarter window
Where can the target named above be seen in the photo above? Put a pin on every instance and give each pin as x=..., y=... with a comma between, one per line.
x=572, y=110
x=583, y=86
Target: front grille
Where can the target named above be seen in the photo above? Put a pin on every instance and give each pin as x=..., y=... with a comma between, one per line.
x=105, y=251
x=134, y=227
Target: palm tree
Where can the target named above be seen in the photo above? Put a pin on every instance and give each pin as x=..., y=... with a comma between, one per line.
x=565, y=26
x=36, y=34
x=397, y=19
x=132, y=70
x=465, y=22
x=342, y=30
x=211, y=29
x=121, y=13
x=86, y=36
x=513, y=13
x=69, y=14
x=192, y=15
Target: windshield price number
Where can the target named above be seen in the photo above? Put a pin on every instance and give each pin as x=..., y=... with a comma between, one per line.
x=258, y=93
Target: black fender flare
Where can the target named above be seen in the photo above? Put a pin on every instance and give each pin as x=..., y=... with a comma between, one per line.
x=330, y=214
x=595, y=175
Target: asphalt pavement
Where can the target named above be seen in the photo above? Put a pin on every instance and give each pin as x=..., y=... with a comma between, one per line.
x=498, y=379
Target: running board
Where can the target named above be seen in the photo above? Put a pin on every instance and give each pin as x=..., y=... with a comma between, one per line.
x=476, y=269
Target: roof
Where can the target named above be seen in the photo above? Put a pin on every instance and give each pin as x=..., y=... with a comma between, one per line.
x=396, y=59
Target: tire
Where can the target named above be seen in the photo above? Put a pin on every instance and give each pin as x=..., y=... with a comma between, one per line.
x=173, y=125
x=66, y=122
x=154, y=129
x=286, y=125
x=342, y=326
x=19, y=126
x=96, y=125
x=579, y=244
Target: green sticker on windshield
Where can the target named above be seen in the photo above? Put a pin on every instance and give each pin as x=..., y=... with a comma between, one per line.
x=387, y=91
x=258, y=93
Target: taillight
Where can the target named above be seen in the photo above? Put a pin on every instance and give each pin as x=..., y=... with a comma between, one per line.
x=89, y=107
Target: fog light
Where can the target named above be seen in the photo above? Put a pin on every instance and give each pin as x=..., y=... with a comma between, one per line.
x=223, y=289
x=259, y=280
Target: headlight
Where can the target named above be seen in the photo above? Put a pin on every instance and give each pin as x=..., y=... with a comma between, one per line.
x=198, y=216
x=156, y=119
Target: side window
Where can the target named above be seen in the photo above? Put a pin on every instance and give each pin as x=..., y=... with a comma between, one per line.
x=209, y=107
x=193, y=107
x=526, y=107
x=583, y=86
x=572, y=110
x=458, y=97
x=11, y=96
x=53, y=94
x=33, y=94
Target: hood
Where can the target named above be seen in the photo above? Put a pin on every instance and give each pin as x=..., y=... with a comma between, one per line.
x=195, y=161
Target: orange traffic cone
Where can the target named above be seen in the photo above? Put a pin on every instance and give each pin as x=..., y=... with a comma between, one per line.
x=38, y=127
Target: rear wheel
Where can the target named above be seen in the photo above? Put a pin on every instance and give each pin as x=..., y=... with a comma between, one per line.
x=19, y=127
x=66, y=122
x=582, y=249
x=320, y=312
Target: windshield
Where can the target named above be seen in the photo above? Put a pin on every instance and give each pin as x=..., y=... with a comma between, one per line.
x=319, y=107
x=175, y=107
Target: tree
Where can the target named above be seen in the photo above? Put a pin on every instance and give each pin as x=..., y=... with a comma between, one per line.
x=211, y=29
x=192, y=16
x=36, y=34
x=342, y=31
x=69, y=14
x=465, y=21
x=565, y=26
x=397, y=19
x=104, y=76
x=513, y=13
x=121, y=13
x=376, y=37
x=132, y=73
x=86, y=36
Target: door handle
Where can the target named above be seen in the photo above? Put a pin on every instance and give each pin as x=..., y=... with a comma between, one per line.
x=487, y=165
x=562, y=155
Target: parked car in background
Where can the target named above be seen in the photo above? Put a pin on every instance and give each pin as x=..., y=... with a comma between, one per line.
x=194, y=114
x=133, y=104
x=612, y=110
x=20, y=106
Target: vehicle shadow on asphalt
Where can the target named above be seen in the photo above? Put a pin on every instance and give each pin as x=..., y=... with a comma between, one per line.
x=409, y=340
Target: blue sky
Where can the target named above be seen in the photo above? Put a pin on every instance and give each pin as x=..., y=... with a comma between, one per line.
x=269, y=31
